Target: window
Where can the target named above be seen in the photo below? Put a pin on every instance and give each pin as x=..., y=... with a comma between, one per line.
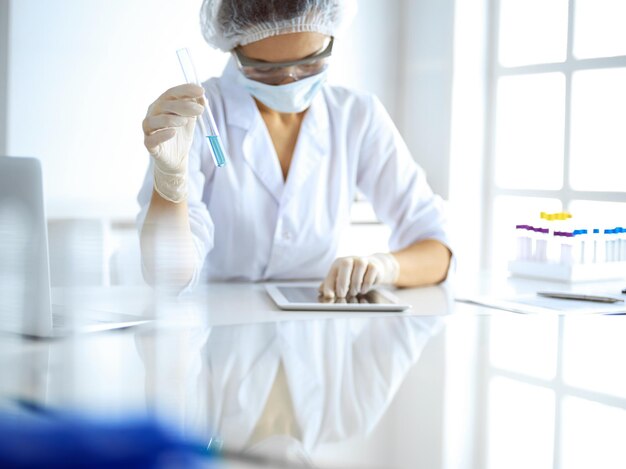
x=556, y=127
x=556, y=120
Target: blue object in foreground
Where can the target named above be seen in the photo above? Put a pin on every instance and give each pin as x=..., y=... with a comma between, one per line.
x=59, y=441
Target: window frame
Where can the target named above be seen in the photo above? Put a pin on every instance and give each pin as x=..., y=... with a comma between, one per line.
x=566, y=194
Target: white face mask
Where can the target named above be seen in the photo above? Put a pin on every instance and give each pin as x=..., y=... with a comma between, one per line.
x=289, y=98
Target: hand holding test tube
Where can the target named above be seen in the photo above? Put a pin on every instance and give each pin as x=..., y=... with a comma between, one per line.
x=211, y=133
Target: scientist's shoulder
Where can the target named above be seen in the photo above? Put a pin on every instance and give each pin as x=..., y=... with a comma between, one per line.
x=350, y=100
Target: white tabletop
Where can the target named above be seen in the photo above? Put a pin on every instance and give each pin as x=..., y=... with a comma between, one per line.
x=233, y=303
x=452, y=386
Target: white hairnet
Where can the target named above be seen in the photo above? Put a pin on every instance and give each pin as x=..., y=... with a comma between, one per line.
x=227, y=24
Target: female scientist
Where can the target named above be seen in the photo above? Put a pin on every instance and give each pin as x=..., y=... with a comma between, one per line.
x=298, y=151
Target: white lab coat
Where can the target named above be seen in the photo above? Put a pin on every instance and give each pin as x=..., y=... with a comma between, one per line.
x=249, y=224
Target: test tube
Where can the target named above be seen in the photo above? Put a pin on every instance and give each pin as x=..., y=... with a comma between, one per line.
x=541, y=244
x=524, y=243
x=567, y=247
x=581, y=246
x=211, y=134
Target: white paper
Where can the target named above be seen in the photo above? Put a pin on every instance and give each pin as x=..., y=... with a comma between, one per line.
x=535, y=304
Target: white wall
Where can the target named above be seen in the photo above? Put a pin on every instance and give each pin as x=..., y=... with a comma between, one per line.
x=466, y=174
x=82, y=74
x=4, y=50
x=426, y=81
x=368, y=55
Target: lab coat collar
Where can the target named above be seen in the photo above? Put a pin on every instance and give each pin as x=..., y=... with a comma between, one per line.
x=312, y=147
x=258, y=150
x=260, y=155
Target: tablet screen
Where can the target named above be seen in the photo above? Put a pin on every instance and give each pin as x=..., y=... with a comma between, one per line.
x=312, y=295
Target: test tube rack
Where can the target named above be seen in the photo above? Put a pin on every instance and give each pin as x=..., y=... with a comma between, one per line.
x=552, y=250
x=573, y=273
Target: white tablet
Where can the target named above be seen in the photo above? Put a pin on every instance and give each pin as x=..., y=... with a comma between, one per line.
x=307, y=298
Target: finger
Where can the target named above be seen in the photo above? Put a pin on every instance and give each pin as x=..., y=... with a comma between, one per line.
x=180, y=107
x=153, y=141
x=328, y=285
x=325, y=300
x=187, y=90
x=201, y=101
x=369, y=279
x=163, y=121
x=344, y=272
x=358, y=272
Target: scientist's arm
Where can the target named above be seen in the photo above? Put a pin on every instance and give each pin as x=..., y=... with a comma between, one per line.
x=167, y=247
x=168, y=252
x=424, y=262
x=402, y=199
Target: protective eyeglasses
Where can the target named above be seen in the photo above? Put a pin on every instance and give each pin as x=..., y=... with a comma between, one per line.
x=274, y=73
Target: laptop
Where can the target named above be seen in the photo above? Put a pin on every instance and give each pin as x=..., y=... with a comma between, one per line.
x=25, y=300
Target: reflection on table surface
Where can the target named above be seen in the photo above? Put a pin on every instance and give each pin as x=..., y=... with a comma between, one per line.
x=463, y=390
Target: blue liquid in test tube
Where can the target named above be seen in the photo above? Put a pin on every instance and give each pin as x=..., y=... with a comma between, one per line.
x=211, y=133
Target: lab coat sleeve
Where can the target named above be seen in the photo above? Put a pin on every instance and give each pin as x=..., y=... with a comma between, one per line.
x=396, y=185
x=200, y=221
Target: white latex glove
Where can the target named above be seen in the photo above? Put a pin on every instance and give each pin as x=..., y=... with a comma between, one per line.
x=168, y=132
x=350, y=276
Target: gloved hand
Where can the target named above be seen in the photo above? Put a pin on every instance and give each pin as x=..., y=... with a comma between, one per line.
x=168, y=133
x=350, y=276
